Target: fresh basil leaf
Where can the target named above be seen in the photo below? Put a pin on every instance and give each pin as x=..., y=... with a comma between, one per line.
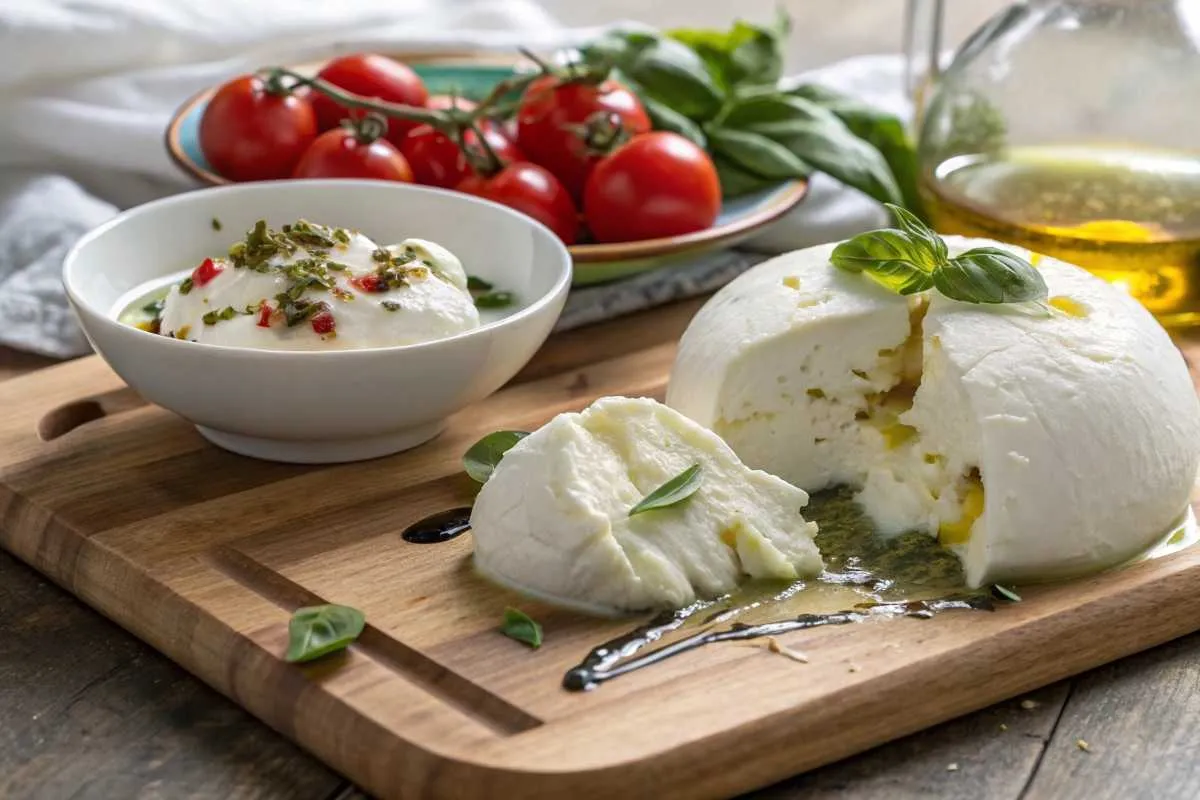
x=665, y=118
x=901, y=277
x=861, y=252
x=919, y=231
x=746, y=53
x=676, y=490
x=320, y=630
x=520, y=626
x=671, y=73
x=889, y=257
x=989, y=275
x=757, y=154
x=882, y=130
x=736, y=181
x=1006, y=593
x=817, y=136
x=475, y=284
x=481, y=458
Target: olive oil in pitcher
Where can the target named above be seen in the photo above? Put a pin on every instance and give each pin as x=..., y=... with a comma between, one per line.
x=1130, y=216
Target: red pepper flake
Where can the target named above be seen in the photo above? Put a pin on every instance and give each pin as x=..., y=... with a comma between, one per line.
x=264, y=315
x=207, y=270
x=322, y=323
x=369, y=283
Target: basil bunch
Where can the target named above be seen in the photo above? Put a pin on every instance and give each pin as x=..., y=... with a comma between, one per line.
x=722, y=90
x=914, y=259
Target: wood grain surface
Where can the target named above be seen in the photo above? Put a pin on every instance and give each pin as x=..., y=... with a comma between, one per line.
x=204, y=555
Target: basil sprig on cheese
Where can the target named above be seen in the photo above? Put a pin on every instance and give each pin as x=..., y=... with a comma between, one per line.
x=914, y=259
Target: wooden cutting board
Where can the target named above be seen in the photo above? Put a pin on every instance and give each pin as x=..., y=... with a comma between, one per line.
x=205, y=555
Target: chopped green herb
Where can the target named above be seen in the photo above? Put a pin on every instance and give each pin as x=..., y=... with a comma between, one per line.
x=309, y=236
x=154, y=308
x=341, y=235
x=481, y=458
x=320, y=630
x=495, y=300
x=475, y=284
x=676, y=490
x=216, y=224
x=228, y=312
x=186, y=285
x=520, y=626
x=390, y=305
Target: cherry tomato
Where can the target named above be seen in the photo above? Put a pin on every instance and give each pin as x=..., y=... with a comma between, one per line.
x=349, y=153
x=373, y=76
x=533, y=191
x=248, y=133
x=550, y=117
x=436, y=159
x=657, y=184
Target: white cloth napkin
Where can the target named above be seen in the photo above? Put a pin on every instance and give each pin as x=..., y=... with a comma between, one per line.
x=88, y=86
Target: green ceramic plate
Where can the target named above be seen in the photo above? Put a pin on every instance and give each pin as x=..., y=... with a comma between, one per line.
x=594, y=263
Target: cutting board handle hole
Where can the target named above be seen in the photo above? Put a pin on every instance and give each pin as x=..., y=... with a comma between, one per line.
x=66, y=418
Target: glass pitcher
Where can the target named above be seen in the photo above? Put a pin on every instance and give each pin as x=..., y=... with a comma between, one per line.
x=1071, y=127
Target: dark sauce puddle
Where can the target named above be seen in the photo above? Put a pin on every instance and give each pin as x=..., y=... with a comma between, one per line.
x=440, y=527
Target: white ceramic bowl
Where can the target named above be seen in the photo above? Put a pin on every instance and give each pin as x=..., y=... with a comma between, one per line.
x=328, y=406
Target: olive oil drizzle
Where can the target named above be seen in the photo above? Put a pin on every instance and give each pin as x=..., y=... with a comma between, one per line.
x=619, y=656
x=869, y=576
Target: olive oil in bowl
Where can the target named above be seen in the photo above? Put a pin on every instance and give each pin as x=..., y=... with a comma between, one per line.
x=1129, y=216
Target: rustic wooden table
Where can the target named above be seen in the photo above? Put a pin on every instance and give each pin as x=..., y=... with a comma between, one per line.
x=88, y=711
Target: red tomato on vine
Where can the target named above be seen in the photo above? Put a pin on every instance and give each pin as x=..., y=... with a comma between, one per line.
x=253, y=131
x=552, y=124
x=656, y=184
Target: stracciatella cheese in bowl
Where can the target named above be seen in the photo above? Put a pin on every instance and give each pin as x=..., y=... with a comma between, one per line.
x=318, y=321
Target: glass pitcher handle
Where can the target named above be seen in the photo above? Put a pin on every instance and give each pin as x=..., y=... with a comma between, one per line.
x=922, y=48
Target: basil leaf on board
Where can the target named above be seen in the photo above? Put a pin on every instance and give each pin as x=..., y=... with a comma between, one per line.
x=1005, y=592
x=320, y=630
x=736, y=181
x=882, y=130
x=665, y=118
x=819, y=137
x=918, y=230
x=989, y=275
x=676, y=490
x=757, y=154
x=520, y=626
x=746, y=53
x=481, y=458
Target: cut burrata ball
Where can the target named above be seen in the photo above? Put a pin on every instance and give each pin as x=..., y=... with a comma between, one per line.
x=1037, y=442
x=329, y=289
x=553, y=519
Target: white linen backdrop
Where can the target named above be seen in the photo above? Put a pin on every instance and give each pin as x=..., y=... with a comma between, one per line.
x=88, y=86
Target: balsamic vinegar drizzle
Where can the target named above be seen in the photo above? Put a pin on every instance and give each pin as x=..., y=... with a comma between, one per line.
x=440, y=527
x=866, y=576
